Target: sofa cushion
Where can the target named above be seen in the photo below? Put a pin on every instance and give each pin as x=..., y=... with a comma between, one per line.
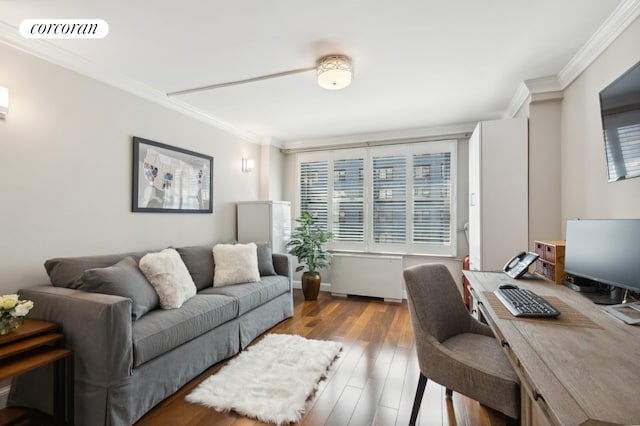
x=163, y=330
x=199, y=262
x=265, y=259
x=67, y=271
x=235, y=263
x=251, y=295
x=123, y=279
x=169, y=276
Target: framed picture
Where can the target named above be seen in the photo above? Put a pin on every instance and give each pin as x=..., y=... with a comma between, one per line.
x=167, y=179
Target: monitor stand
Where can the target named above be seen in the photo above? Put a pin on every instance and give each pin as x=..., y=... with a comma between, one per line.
x=601, y=294
x=614, y=297
x=580, y=285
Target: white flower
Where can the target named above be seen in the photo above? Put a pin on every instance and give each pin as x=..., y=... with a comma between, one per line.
x=11, y=306
x=20, y=310
x=9, y=301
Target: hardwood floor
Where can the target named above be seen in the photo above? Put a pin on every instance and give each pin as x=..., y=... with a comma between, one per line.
x=372, y=382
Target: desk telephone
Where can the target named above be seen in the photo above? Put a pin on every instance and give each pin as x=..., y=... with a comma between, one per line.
x=518, y=265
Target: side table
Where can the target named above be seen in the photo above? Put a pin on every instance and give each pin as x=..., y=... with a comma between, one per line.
x=36, y=344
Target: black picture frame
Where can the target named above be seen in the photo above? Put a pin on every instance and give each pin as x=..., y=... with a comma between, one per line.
x=168, y=179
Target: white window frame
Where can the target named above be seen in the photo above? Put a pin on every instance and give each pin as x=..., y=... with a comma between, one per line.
x=345, y=155
x=408, y=150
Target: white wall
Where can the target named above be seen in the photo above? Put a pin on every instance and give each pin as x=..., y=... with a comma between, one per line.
x=271, y=181
x=544, y=171
x=66, y=166
x=585, y=191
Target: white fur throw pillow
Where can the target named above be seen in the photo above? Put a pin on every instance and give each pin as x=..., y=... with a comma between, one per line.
x=169, y=277
x=235, y=264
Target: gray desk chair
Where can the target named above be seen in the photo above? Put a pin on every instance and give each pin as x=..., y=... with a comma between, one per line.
x=454, y=349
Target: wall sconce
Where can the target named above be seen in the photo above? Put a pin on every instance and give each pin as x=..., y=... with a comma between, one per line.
x=4, y=101
x=247, y=165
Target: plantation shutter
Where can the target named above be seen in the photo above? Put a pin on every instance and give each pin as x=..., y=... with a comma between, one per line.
x=348, y=200
x=432, y=189
x=314, y=190
x=396, y=198
x=390, y=199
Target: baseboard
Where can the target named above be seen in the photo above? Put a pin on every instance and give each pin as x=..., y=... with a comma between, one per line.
x=327, y=288
x=323, y=286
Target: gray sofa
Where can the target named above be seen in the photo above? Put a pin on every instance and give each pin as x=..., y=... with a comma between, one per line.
x=126, y=363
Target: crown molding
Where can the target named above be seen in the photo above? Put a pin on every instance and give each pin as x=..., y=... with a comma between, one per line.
x=271, y=141
x=623, y=15
x=546, y=96
x=626, y=12
x=518, y=99
x=49, y=52
x=431, y=133
x=543, y=84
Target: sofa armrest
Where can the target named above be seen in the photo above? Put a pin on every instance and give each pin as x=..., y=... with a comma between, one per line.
x=96, y=327
x=283, y=266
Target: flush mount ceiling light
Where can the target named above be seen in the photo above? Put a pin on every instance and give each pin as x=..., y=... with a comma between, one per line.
x=334, y=72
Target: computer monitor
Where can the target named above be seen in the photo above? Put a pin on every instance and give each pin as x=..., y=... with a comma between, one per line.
x=604, y=252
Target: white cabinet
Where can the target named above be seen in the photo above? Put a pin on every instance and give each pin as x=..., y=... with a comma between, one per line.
x=498, y=192
x=262, y=221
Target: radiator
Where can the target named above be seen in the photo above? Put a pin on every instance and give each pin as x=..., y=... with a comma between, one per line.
x=367, y=275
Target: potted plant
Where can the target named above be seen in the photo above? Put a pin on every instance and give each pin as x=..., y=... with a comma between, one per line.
x=307, y=243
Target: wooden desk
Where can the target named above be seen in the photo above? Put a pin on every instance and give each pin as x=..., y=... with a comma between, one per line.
x=32, y=346
x=584, y=369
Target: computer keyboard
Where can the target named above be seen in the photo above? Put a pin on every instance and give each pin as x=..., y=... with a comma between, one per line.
x=525, y=303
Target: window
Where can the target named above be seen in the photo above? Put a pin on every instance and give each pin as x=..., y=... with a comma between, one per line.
x=348, y=200
x=314, y=178
x=432, y=198
x=391, y=199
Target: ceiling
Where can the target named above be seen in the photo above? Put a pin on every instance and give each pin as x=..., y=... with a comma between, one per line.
x=418, y=64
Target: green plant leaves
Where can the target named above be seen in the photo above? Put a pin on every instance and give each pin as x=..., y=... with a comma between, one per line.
x=307, y=244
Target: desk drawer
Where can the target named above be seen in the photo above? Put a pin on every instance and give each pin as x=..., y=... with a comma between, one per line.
x=533, y=407
x=551, y=251
x=549, y=271
x=552, y=272
x=534, y=410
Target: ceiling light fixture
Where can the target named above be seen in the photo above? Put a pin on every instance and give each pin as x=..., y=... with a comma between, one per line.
x=334, y=72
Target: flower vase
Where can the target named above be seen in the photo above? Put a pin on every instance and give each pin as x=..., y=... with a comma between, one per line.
x=310, y=282
x=9, y=325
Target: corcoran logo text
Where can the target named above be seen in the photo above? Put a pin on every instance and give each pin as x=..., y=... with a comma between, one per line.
x=64, y=28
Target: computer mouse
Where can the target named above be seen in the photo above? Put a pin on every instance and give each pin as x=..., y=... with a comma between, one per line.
x=507, y=286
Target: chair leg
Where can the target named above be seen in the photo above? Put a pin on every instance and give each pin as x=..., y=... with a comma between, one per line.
x=422, y=383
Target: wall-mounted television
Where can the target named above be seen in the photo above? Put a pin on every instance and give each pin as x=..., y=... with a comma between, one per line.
x=620, y=113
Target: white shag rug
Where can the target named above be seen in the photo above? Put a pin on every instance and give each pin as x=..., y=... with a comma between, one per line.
x=271, y=380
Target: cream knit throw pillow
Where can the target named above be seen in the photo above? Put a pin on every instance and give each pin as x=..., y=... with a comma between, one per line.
x=235, y=264
x=169, y=277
